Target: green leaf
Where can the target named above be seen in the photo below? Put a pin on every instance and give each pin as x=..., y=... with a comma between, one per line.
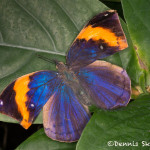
x=129, y=124
x=39, y=141
x=111, y=0
x=28, y=28
x=138, y=21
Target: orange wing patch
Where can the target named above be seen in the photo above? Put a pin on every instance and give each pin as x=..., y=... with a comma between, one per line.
x=97, y=33
x=21, y=88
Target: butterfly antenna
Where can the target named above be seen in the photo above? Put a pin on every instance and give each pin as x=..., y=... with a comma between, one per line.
x=53, y=61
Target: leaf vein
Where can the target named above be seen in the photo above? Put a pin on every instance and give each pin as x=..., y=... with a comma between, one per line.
x=46, y=31
x=32, y=49
x=67, y=13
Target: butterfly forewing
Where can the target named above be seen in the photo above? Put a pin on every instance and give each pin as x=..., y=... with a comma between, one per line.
x=24, y=98
x=101, y=37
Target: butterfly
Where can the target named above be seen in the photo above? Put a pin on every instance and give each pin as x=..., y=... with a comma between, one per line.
x=84, y=80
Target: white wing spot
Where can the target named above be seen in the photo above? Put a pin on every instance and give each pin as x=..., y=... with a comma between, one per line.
x=1, y=102
x=32, y=105
x=106, y=15
x=101, y=47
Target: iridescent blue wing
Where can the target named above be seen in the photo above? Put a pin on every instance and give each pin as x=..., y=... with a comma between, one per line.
x=24, y=98
x=108, y=85
x=101, y=37
x=64, y=116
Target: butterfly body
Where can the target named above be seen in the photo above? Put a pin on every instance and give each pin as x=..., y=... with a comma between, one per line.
x=84, y=80
x=69, y=77
x=65, y=73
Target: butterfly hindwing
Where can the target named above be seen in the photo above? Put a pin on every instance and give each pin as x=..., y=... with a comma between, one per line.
x=101, y=37
x=24, y=98
x=64, y=117
x=108, y=85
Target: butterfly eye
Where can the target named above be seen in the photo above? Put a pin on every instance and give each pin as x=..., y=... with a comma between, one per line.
x=1, y=102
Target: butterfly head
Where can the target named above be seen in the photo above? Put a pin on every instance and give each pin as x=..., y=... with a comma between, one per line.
x=61, y=66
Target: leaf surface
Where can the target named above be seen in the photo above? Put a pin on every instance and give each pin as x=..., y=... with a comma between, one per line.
x=137, y=16
x=48, y=27
x=129, y=125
